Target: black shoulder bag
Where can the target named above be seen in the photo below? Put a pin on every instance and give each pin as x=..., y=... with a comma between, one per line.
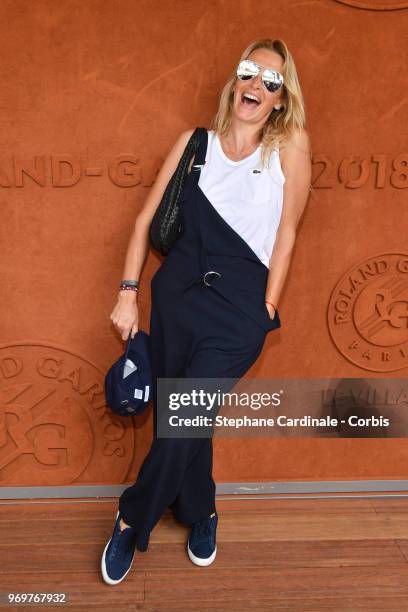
x=165, y=227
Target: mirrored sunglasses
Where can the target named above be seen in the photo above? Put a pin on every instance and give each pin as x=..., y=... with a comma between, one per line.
x=248, y=69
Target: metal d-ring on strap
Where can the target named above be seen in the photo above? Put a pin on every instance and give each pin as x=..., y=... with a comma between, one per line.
x=209, y=272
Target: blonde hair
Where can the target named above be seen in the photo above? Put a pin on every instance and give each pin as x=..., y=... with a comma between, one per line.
x=281, y=123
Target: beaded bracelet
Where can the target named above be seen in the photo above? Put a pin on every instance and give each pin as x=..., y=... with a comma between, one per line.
x=128, y=288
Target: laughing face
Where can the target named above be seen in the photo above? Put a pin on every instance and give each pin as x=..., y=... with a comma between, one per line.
x=252, y=101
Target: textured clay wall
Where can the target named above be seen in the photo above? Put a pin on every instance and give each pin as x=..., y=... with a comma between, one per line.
x=93, y=96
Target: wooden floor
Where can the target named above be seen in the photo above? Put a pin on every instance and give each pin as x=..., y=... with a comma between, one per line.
x=277, y=554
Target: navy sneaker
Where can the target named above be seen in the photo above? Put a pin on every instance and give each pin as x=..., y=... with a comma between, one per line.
x=118, y=555
x=201, y=546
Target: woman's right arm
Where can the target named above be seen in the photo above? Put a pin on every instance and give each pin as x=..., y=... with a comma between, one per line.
x=125, y=314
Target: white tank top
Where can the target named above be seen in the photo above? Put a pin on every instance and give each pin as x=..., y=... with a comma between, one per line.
x=250, y=202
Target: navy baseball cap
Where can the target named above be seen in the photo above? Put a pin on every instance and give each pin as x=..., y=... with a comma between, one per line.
x=128, y=383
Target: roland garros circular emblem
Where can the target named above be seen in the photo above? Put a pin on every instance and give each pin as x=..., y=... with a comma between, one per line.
x=55, y=426
x=368, y=313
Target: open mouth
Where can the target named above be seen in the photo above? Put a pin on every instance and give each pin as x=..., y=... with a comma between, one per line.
x=249, y=101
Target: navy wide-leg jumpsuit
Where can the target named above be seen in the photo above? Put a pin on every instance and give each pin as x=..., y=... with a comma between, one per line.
x=208, y=319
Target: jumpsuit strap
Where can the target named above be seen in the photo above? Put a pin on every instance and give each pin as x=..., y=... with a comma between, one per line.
x=199, y=161
x=199, y=158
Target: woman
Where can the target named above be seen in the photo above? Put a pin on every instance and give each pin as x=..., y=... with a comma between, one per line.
x=215, y=296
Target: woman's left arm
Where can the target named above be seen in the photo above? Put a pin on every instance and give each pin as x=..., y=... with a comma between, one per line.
x=297, y=168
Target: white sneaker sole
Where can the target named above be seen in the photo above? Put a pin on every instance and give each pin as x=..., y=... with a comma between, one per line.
x=199, y=560
x=106, y=578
